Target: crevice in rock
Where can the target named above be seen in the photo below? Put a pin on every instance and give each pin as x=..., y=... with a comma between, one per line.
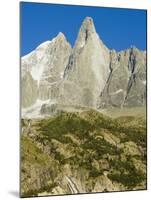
x=109, y=77
x=86, y=35
x=132, y=61
x=131, y=67
x=69, y=66
x=106, y=87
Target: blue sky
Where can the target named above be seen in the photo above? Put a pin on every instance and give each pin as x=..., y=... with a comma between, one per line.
x=118, y=28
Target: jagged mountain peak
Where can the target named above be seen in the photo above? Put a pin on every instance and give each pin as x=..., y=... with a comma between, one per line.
x=88, y=25
x=60, y=36
x=86, y=31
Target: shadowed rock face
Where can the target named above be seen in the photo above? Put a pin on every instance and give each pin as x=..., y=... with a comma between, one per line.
x=126, y=85
x=29, y=90
x=89, y=75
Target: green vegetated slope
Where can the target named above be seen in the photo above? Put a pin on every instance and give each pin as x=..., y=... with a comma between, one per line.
x=82, y=152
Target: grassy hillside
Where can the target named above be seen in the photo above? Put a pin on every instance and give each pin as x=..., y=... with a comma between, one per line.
x=83, y=152
x=125, y=111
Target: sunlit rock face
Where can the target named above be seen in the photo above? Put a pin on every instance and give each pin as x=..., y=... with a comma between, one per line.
x=87, y=75
x=87, y=70
x=46, y=65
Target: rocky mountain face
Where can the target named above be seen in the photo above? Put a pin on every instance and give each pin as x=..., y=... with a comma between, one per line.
x=87, y=72
x=43, y=69
x=126, y=84
x=87, y=75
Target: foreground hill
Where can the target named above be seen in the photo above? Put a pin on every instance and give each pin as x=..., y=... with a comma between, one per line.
x=82, y=152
